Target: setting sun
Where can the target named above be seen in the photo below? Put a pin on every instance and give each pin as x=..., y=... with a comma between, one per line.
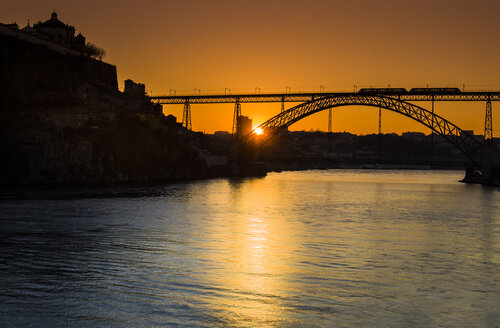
x=258, y=131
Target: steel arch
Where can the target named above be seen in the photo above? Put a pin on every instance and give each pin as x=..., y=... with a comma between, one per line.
x=466, y=143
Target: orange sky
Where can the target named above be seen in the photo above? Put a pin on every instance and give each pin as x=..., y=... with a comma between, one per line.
x=213, y=45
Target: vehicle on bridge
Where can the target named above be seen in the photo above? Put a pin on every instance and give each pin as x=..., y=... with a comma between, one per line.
x=383, y=91
x=414, y=91
x=423, y=91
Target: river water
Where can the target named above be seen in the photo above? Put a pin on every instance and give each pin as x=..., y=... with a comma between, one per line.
x=342, y=248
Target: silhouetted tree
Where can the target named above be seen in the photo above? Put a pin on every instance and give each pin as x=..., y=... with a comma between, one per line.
x=94, y=51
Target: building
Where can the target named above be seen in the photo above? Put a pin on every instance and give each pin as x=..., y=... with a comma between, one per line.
x=52, y=30
x=56, y=30
x=244, y=125
x=420, y=136
x=135, y=89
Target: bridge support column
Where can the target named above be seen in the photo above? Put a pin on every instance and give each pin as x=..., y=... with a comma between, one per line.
x=488, y=122
x=330, y=120
x=380, y=121
x=379, y=132
x=490, y=164
x=236, y=119
x=432, y=133
x=330, y=128
x=280, y=139
x=186, y=116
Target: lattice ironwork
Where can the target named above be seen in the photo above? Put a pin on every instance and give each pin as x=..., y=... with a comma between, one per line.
x=236, y=119
x=466, y=143
x=186, y=116
x=488, y=125
x=304, y=97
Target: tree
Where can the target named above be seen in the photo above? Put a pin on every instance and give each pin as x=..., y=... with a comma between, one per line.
x=94, y=51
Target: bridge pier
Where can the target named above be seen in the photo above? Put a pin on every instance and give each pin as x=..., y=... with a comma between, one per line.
x=186, y=116
x=379, y=133
x=330, y=130
x=432, y=133
x=330, y=126
x=488, y=122
x=236, y=119
x=489, y=174
x=490, y=161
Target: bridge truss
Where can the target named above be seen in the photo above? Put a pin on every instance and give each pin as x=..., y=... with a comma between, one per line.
x=466, y=143
x=304, y=97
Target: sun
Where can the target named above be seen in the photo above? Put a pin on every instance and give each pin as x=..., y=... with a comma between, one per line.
x=258, y=131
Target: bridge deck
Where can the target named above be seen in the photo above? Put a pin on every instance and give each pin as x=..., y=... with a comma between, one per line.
x=303, y=97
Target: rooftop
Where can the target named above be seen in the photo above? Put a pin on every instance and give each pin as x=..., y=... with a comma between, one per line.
x=54, y=22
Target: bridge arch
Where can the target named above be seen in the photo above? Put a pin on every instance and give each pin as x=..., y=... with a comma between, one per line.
x=463, y=141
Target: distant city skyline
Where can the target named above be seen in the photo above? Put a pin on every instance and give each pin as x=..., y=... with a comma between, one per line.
x=292, y=45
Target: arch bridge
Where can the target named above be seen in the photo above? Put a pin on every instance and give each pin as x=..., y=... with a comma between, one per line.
x=461, y=139
x=393, y=99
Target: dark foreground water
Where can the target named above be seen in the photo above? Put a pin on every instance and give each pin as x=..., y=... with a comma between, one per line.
x=295, y=249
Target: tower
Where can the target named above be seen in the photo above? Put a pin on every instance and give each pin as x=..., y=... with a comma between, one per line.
x=186, y=116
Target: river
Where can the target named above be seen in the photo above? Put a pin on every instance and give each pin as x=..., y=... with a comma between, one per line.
x=346, y=248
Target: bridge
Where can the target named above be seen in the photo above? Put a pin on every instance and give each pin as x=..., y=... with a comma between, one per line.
x=418, y=94
x=394, y=99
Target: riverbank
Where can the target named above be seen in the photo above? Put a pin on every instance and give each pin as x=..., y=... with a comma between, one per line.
x=488, y=177
x=305, y=165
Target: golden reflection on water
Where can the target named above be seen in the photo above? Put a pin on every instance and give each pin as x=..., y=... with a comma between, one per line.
x=282, y=251
x=251, y=262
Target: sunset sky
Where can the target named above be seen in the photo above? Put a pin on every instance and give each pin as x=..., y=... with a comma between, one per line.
x=213, y=45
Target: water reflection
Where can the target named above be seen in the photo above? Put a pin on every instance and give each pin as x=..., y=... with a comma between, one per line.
x=247, y=269
x=319, y=248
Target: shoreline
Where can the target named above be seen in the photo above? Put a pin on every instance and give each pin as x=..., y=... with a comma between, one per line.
x=173, y=182
x=360, y=166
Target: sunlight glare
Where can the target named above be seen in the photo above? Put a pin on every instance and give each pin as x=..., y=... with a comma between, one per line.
x=258, y=131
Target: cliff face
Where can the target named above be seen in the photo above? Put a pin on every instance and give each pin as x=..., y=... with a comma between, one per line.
x=63, y=120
